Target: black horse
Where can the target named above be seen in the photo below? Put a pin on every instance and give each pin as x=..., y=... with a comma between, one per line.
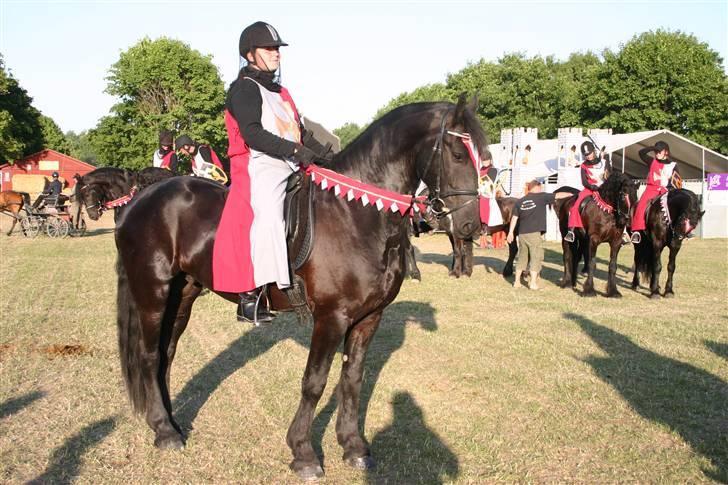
x=462, y=249
x=107, y=184
x=165, y=241
x=666, y=227
x=601, y=224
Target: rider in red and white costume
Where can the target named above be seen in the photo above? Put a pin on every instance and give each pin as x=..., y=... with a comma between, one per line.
x=266, y=144
x=200, y=154
x=165, y=157
x=659, y=178
x=593, y=173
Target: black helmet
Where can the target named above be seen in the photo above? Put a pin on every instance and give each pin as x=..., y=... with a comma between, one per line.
x=55, y=175
x=165, y=138
x=183, y=140
x=259, y=34
x=661, y=145
x=586, y=148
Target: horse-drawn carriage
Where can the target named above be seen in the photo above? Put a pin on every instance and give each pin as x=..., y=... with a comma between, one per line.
x=52, y=216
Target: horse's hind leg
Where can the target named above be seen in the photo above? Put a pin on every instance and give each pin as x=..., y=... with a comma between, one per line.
x=569, y=277
x=15, y=221
x=674, y=249
x=327, y=334
x=154, y=368
x=185, y=290
x=655, y=277
x=356, y=449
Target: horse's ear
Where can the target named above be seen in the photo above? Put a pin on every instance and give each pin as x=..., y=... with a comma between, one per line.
x=473, y=105
x=460, y=107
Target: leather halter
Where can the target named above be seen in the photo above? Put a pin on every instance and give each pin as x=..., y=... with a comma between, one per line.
x=435, y=200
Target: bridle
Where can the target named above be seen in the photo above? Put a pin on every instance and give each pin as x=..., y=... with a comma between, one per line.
x=101, y=206
x=436, y=199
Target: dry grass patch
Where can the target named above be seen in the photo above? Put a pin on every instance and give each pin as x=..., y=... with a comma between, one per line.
x=467, y=380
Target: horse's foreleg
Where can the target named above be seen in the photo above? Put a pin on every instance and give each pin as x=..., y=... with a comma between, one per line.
x=356, y=449
x=655, y=276
x=15, y=221
x=327, y=333
x=456, y=267
x=512, y=251
x=411, y=263
x=612, y=290
x=468, y=258
x=589, y=283
x=674, y=249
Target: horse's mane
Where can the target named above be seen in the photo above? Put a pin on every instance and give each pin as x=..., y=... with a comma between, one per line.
x=683, y=201
x=376, y=145
x=611, y=187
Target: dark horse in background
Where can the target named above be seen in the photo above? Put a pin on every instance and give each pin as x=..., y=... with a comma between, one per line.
x=165, y=241
x=107, y=184
x=666, y=227
x=619, y=192
x=11, y=203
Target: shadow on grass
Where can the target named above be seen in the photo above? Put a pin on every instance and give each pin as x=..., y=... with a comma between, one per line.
x=388, y=339
x=255, y=342
x=65, y=462
x=688, y=400
x=718, y=348
x=13, y=405
x=600, y=275
x=98, y=232
x=410, y=452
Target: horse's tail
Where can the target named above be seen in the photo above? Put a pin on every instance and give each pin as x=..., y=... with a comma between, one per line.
x=26, y=198
x=643, y=256
x=130, y=341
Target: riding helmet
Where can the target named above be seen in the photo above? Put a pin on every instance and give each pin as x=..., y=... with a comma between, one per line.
x=165, y=138
x=55, y=175
x=586, y=148
x=259, y=34
x=183, y=140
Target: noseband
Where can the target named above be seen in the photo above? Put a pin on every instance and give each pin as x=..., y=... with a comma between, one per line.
x=435, y=201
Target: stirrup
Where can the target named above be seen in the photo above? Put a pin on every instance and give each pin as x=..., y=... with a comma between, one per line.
x=569, y=236
x=252, y=311
x=636, y=237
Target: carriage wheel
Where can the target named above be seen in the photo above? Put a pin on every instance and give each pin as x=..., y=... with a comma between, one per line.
x=30, y=226
x=56, y=227
x=74, y=232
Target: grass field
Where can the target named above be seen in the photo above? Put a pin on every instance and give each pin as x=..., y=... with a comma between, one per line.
x=467, y=380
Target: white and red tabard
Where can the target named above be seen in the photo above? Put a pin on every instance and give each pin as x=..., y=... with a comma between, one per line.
x=250, y=246
x=162, y=161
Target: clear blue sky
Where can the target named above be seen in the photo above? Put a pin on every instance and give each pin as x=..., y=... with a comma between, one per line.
x=345, y=60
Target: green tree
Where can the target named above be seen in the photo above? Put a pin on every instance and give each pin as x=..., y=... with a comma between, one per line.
x=81, y=147
x=20, y=128
x=426, y=93
x=53, y=137
x=161, y=83
x=347, y=133
x=663, y=80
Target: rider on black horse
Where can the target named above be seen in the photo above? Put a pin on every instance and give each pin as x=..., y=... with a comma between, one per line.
x=593, y=173
x=660, y=176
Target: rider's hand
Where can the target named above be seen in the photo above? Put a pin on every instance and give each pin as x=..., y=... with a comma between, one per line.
x=304, y=156
x=509, y=238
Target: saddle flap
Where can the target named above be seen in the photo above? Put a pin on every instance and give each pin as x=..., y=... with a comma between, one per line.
x=298, y=210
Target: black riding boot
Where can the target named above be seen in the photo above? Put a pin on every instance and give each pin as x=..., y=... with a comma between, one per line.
x=247, y=307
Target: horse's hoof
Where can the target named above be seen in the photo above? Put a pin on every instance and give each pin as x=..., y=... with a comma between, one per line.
x=361, y=462
x=589, y=294
x=308, y=473
x=669, y=294
x=614, y=294
x=635, y=287
x=170, y=442
x=655, y=296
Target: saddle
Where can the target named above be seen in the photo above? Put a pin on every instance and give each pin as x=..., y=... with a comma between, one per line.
x=299, y=217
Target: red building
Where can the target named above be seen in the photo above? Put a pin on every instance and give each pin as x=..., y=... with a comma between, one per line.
x=44, y=163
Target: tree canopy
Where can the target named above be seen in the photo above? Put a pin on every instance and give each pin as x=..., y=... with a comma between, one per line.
x=656, y=80
x=20, y=124
x=161, y=84
x=53, y=137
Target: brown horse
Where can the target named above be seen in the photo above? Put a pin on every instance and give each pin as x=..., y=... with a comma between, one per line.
x=165, y=240
x=11, y=203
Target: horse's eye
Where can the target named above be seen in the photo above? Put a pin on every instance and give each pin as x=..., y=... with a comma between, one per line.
x=458, y=156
